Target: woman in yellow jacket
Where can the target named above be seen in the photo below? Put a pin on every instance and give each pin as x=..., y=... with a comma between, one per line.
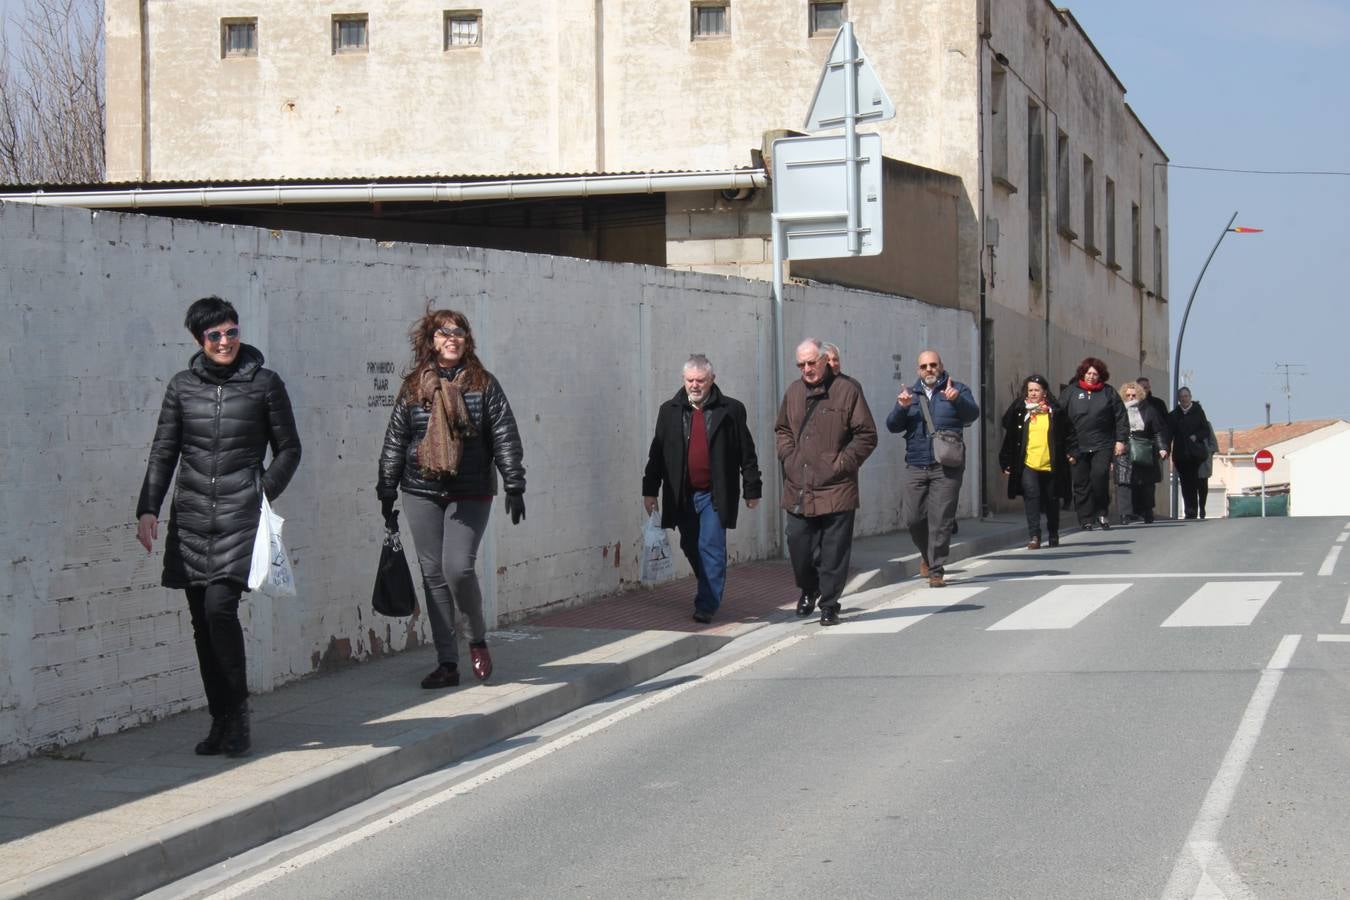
x=1035, y=432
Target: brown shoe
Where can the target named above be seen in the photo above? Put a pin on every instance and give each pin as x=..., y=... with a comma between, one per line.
x=482, y=661
x=936, y=580
x=444, y=677
x=1034, y=544
x=923, y=568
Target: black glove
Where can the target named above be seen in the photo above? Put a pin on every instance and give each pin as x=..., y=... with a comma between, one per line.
x=386, y=507
x=515, y=507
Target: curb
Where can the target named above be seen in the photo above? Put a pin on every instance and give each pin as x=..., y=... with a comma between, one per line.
x=136, y=866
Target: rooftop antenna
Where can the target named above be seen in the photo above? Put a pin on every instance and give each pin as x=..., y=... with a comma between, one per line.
x=1288, y=389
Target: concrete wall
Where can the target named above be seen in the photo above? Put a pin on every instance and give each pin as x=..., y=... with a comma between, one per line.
x=1317, y=482
x=89, y=641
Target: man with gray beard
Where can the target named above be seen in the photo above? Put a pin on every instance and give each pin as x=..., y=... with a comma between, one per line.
x=700, y=455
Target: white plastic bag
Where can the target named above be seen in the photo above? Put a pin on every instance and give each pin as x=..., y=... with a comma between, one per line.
x=657, y=563
x=270, y=569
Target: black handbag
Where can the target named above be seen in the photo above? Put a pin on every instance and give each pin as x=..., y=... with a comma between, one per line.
x=394, y=594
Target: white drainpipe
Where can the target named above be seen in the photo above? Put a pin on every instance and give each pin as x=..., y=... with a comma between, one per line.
x=443, y=192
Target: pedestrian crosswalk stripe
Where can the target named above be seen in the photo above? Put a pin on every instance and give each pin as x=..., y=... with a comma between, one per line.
x=1063, y=607
x=1218, y=603
x=908, y=610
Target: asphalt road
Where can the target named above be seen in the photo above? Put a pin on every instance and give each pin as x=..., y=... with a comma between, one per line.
x=1149, y=712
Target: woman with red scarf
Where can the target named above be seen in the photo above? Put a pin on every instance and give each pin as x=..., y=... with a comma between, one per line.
x=1033, y=457
x=1100, y=430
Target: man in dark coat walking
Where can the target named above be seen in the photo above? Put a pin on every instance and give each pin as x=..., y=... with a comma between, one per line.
x=701, y=453
x=823, y=434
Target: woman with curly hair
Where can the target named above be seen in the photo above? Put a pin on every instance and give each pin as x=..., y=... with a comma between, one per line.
x=1100, y=430
x=450, y=427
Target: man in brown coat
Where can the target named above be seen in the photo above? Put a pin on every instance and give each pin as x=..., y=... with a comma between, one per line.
x=823, y=434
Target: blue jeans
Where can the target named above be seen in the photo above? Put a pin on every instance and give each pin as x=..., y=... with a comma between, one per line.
x=704, y=542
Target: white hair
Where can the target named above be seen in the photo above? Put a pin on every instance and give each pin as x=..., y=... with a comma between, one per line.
x=698, y=363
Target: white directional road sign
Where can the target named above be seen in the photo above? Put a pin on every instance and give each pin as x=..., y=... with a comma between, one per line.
x=809, y=187
x=829, y=106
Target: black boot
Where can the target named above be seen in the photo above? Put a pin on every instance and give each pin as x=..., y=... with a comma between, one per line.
x=237, y=740
x=215, y=738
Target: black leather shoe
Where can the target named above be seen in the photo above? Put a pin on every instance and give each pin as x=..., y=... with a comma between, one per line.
x=703, y=618
x=215, y=739
x=806, y=604
x=444, y=677
x=1054, y=540
x=829, y=615
x=1104, y=522
x=236, y=740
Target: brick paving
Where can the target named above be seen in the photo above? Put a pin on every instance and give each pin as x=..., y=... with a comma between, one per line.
x=756, y=592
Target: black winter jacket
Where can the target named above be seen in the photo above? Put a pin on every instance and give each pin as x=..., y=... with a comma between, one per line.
x=1155, y=432
x=1012, y=455
x=1097, y=417
x=731, y=455
x=217, y=435
x=496, y=441
x=1192, y=435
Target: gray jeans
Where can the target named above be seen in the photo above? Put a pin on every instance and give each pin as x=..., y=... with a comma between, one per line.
x=930, y=510
x=447, y=534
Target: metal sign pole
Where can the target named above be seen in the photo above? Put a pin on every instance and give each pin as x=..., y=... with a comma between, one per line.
x=851, y=134
x=1263, y=493
x=779, y=355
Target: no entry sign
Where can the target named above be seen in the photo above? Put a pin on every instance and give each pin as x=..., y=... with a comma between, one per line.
x=1264, y=460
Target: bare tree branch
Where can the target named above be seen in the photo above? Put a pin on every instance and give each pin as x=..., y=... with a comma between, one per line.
x=51, y=94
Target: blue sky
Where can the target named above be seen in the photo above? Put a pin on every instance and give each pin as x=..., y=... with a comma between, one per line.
x=1248, y=85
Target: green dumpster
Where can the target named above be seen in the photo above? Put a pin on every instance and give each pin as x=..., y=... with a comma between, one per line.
x=1241, y=506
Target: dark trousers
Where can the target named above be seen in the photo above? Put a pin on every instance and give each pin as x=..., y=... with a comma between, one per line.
x=220, y=645
x=1038, y=497
x=929, y=512
x=1136, y=498
x=1194, y=489
x=820, y=547
x=1091, y=485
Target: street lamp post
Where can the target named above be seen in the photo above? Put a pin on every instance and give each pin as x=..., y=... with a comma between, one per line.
x=1181, y=334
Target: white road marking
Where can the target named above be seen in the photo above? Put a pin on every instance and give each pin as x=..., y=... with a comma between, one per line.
x=1335, y=638
x=402, y=814
x=878, y=621
x=1220, y=603
x=1329, y=563
x=1193, y=873
x=1135, y=576
x=1063, y=607
x=1343, y=535
x=1345, y=616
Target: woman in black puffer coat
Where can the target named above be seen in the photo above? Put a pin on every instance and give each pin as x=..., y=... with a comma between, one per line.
x=451, y=431
x=218, y=418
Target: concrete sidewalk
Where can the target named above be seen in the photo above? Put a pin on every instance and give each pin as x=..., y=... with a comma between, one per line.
x=117, y=816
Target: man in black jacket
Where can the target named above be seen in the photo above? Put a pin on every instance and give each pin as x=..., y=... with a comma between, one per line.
x=700, y=454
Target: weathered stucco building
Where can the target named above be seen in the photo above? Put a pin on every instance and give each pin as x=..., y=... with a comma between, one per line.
x=1027, y=192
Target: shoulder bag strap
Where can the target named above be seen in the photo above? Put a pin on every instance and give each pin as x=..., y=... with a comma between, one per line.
x=927, y=416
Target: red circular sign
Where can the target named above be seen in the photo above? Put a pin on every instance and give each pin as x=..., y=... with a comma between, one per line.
x=1264, y=460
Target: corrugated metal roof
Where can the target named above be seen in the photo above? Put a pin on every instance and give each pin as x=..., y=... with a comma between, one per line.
x=427, y=178
x=1249, y=440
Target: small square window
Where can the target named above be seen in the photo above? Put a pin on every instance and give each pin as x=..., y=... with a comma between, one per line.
x=827, y=17
x=238, y=37
x=710, y=20
x=350, y=34
x=463, y=28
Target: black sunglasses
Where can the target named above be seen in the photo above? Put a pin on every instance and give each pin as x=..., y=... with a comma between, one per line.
x=215, y=336
x=452, y=332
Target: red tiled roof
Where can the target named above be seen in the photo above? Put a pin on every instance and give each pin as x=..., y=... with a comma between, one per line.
x=1249, y=440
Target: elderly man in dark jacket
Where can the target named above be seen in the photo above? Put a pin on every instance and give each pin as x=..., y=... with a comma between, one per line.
x=701, y=453
x=824, y=433
x=931, y=488
x=218, y=419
